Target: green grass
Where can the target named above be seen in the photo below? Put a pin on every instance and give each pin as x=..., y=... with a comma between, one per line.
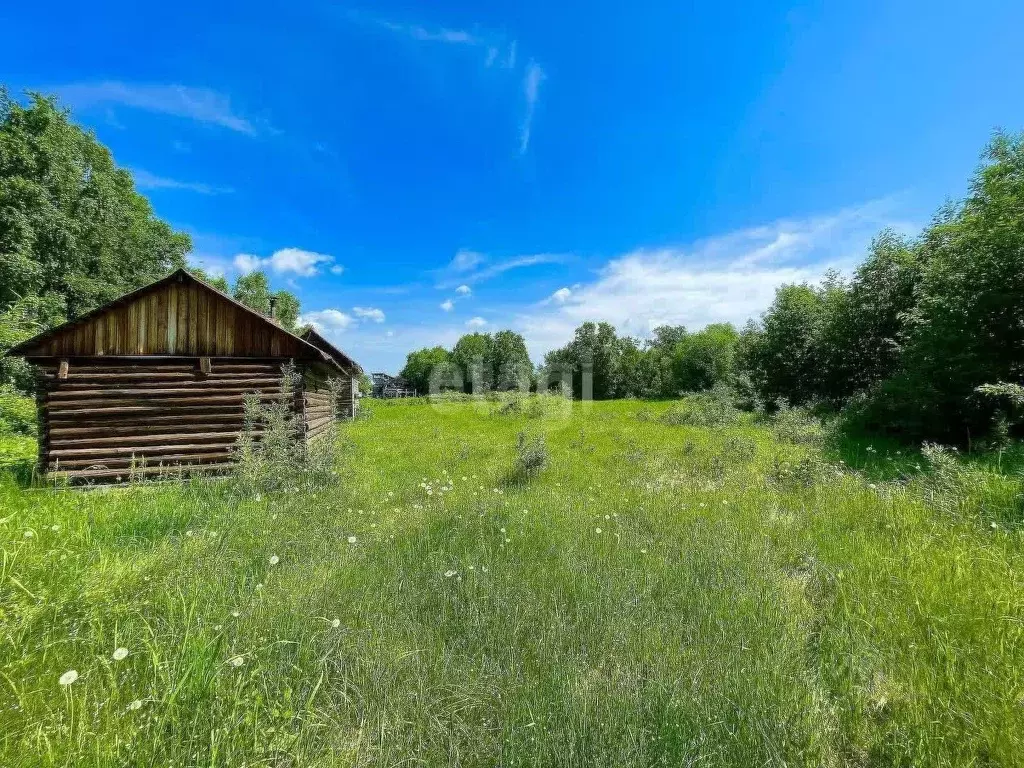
x=656, y=594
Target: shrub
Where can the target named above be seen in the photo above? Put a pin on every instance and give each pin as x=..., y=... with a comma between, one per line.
x=531, y=455
x=797, y=425
x=271, y=454
x=17, y=413
x=704, y=409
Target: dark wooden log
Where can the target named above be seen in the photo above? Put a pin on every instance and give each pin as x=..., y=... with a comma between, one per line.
x=164, y=390
x=128, y=450
x=103, y=474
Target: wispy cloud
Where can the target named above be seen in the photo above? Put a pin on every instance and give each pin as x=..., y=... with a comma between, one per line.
x=531, y=90
x=286, y=260
x=476, y=322
x=497, y=52
x=369, y=313
x=447, y=305
x=470, y=267
x=332, y=321
x=146, y=180
x=200, y=104
x=728, y=278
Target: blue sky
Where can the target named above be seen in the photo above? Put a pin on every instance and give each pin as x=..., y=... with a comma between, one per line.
x=417, y=170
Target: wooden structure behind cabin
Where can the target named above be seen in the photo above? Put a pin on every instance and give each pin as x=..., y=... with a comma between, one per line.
x=387, y=386
x=158, y=378
x=345, y=386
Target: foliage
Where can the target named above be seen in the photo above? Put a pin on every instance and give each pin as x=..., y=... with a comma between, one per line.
x=17, y=413
x=713, y=408
x=253, y=290
x=531, y=455
x=271, y=454
x=73, y=230
x=705, y=359
x=430, y=364
x=365, y=385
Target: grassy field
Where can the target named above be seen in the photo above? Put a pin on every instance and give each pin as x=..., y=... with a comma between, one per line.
x=657, y=594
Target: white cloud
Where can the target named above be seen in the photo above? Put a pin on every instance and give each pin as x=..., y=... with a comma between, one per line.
x=146, y=180
x=498, y=54
x=465, y=260
x=337, y=269
x=200, y=104
x=327, y=320
x=447, y=305
x=369, y=313
x=286, y=260
x=531, y=90
x=476, y=322
x=469, y=267
x=730, y=278
x=246, y=263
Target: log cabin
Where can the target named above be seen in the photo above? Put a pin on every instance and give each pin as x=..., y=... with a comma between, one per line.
x=156, y=381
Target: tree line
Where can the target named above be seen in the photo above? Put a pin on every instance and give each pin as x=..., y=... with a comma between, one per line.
x=925, y=340
x=75, y=234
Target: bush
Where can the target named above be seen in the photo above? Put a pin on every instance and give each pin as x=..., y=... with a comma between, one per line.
x=17, y=413
x=531, y=455
x=797, y=425
x=714, y=408
x=272, y=454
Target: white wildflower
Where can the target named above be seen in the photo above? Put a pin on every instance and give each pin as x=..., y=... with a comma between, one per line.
x=135, y=705
x=68, y=677
x=597, y=530
x=29, y=534
x=120, y=654
x=351, y=539
x=449, y=574
x=336, y=623
x=274, y=559
x=236, y=661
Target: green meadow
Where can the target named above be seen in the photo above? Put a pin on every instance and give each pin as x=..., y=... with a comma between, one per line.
x=618, y=587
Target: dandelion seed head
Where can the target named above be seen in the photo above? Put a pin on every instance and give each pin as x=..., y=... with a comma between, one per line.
x=597, y=530
x=351, y=539
x=135, y=705
x=120, y=654
x=274, y=559
x=68, y=677
x=236, y=661
x=336, y=623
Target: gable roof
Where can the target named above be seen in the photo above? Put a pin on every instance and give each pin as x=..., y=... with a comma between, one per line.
x=316, y=339
x=178, y=315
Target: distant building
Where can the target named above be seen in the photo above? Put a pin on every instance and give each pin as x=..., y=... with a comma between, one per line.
x=386, y=386
x=158, y=378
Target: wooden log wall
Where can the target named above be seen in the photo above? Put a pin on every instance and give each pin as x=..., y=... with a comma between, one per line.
x=111, y=419
x=316, y=403
x=346, y=404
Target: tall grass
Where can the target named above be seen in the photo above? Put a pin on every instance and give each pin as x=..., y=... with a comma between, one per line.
x=650, y=594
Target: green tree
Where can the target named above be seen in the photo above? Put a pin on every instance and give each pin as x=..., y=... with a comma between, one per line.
x=705, y=359
x=253, y=290
x=426, y=365
x=966, y=328
x=782, y=358
x=511, y=366
x=592, y=360
x=73, y=230
x=473, y=355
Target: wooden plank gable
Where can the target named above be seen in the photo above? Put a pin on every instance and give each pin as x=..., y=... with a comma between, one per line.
x=173, y=317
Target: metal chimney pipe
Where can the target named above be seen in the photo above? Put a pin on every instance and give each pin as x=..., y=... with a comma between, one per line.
x=273, y=308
